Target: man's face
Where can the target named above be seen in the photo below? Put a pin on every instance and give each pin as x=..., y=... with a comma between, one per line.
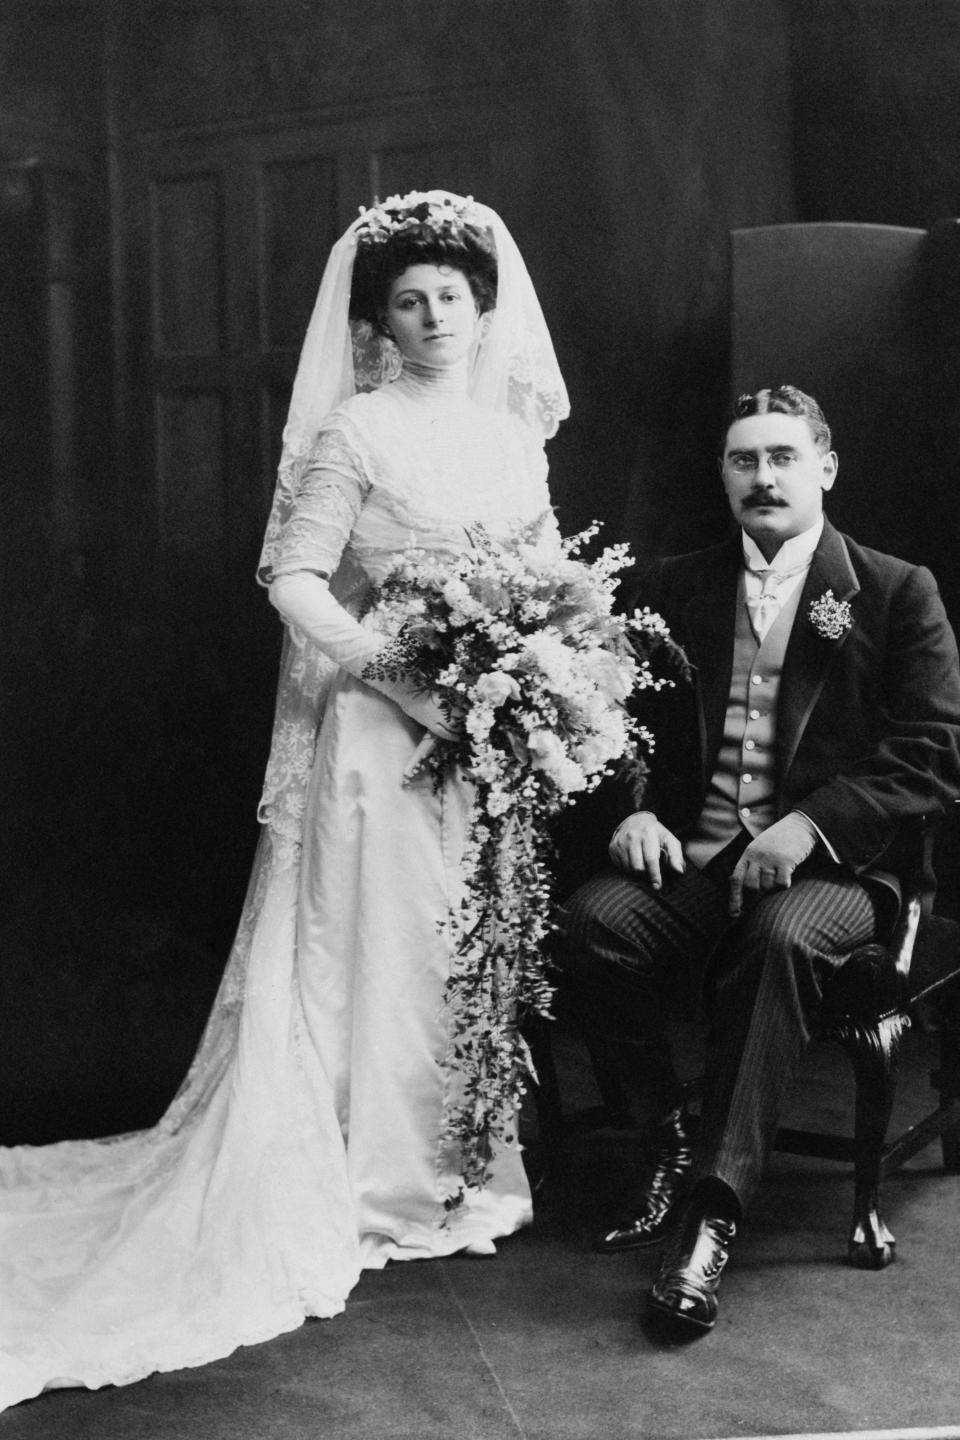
x=775, y=477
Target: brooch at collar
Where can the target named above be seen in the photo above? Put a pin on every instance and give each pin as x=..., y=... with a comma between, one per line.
x=830, y=617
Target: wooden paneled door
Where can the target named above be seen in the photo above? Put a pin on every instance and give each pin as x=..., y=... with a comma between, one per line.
x=228, y=236
x=234, y=241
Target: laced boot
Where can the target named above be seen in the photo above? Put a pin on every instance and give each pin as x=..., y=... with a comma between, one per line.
x=684, y=1294
x=672, y=1163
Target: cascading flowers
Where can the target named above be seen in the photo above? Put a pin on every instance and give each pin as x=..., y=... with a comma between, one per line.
x=519, y=640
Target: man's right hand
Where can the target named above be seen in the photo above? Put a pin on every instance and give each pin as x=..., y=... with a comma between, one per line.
x=642, y=843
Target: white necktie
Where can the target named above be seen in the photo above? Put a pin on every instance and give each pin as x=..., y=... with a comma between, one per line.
x=765, y=607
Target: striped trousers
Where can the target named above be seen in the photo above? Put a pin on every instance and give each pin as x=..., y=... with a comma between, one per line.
x=630, y=956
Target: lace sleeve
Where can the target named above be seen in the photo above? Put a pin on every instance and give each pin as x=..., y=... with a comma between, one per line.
x=329, y=496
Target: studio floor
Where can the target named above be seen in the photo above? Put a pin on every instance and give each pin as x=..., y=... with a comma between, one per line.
x=546, y=1341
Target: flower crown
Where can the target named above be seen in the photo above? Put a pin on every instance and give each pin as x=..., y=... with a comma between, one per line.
x=448, y=218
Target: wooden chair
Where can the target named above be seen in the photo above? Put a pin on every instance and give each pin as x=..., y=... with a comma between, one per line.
x=871, y=1003
x=868, y=1007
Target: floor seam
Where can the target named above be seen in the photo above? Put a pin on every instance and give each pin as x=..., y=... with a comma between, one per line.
x=451, y=1289
x=924, y=1432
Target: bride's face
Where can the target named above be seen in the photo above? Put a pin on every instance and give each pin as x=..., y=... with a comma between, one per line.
x=432, y=315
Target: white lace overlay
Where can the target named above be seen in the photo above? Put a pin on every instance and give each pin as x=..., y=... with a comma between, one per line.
x=303, y=1144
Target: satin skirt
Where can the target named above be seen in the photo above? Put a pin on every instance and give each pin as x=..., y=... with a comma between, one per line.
x=382, y=868
x=305, y=1143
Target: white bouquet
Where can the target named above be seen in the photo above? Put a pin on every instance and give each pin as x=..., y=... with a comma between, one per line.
x=520, y=642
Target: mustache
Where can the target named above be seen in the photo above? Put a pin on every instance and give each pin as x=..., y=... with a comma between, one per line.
x=758, y=499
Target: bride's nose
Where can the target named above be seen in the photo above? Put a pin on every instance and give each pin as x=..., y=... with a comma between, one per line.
x=432, y=312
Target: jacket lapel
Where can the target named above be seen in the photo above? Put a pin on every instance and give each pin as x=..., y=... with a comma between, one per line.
x=709, y=619
x=809, y=654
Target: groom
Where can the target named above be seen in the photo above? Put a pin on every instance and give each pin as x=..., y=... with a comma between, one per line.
x=823, y=718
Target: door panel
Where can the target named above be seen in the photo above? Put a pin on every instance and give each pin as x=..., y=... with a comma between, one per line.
x=187, y=265
x=235, y=227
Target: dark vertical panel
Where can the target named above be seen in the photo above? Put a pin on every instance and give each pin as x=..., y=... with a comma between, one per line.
x=877, y=128
x=188, y=281
x=661, y=144
x=299, y=199
x=61, y=305
x=191, y=464
x=24, y=396
x=876, y=114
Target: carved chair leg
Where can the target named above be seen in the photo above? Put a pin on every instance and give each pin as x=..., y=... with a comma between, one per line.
x=540, y=1159
x=874, y=1052
x=606, y=1072
x=536, y=1030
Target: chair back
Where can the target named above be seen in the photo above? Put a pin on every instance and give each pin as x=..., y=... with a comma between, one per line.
x=867, y=319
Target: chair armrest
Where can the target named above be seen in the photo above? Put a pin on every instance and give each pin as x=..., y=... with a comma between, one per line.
x=915, y=905
x=875, y=980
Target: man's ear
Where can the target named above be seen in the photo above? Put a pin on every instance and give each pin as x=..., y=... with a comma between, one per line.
x=830, y=467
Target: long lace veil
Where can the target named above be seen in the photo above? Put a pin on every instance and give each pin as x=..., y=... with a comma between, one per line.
x=513, y=369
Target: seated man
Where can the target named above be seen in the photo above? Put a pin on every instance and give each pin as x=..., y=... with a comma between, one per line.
x=824, y=715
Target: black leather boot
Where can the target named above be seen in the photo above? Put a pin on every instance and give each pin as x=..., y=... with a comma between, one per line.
x=684, y=1294
x=672, y=1162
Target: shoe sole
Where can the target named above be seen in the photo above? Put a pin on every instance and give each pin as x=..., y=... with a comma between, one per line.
x=677, y=1318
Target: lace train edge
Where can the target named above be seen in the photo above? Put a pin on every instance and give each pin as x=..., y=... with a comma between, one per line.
x=26, y=1379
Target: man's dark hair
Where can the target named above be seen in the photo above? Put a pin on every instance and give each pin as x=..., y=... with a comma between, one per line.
x=780, y=400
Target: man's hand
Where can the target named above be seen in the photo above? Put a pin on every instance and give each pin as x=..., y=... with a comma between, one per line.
x=769, y=861
x=642, y=843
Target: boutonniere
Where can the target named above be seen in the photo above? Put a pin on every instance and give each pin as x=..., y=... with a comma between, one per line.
x=830, y=617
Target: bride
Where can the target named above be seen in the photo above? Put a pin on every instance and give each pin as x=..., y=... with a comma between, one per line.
x=306, y=1141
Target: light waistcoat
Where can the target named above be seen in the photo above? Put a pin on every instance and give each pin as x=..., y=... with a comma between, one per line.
x=742, y=790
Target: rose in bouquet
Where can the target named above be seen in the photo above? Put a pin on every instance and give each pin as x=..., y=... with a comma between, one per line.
x=519, y=640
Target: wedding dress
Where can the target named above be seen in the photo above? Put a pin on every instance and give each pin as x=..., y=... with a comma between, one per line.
x=304, y=1144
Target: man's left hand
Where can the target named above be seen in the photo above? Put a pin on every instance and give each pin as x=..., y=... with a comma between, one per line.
x=769, y=861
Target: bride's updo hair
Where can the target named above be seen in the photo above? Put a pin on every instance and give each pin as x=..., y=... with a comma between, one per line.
x=397, y=234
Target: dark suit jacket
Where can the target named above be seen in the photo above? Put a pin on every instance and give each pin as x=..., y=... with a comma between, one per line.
x=868, y=725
